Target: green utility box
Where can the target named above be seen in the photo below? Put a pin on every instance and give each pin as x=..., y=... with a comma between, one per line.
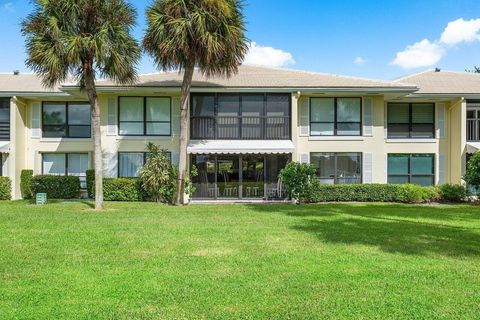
x=41, y=198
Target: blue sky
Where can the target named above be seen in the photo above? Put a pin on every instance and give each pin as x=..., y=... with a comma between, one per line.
x=369, y=38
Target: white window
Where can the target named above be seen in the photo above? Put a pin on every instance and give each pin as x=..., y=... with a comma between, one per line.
x=72, y=164
x=140, y=116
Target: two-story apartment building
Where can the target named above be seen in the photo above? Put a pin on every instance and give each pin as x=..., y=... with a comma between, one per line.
x=244, y=129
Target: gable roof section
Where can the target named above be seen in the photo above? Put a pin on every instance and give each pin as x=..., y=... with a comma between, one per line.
x=262, y=77
x=443, y=82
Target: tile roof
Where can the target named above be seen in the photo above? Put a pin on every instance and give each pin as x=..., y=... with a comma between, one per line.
x=262, y=77
x=23, y=82
x=443, y=82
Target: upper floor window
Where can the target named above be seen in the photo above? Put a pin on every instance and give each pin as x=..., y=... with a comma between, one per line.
x=240, y=116
x=337, y=167
x=335, y=116
x=411, y=168
x=411, y=120
x=130, y=163
x=5, y=119
x=66, y=120
x=145, y=116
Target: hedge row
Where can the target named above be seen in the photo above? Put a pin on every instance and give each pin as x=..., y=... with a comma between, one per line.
x=26, y=183
x=405, y=193
x=117, y=189
x=56, y=187
x=5, y=188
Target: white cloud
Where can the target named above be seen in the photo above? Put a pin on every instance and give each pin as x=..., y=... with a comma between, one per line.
x=267, y=56
x=359, y=60
x=421, y=54
x=8, y=6
x=461, y=30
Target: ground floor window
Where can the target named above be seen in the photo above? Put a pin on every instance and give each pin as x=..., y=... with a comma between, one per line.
x=337, y=167
x=72, y=164
x=411, y=168
x=238, y=176
x=130, y=163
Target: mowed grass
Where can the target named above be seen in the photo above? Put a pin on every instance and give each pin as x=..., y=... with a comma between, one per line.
x=149, y=261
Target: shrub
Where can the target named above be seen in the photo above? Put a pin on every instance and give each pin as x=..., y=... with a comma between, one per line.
x=124, y=189
x=5, y=188
x=90, y=176
x=452, y=192
x=298, y=178
x=25, y=183
x=472, y=174
x=371, y=193
x=56, y=187
x=159, y=176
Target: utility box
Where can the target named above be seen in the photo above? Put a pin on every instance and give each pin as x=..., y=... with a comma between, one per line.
x=41, y=198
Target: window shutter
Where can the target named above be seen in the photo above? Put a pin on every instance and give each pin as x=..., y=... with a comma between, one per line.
x=385, y=120
x=305, y=157
x=368, y=117
x=442, y=169
x=175, y=158
x=440, y=112
x=385, y=168
x=304, y=117
x=112, y=117
x=367, y=167
x=110, y=165
x=35, y=130
x=175, y=116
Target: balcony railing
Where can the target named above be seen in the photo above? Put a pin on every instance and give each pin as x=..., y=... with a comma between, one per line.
x=240, y=128
x=473, y=126
x=4, y=131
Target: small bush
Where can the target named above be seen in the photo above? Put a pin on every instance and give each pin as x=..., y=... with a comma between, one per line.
x=371, y=193
x=25, y=183
x=452, y=192
x=298, y=178
x=90, y=176
x=5, y=188
x=124, y=189
x=56, y=187
x=159, y=176
x=472, y=174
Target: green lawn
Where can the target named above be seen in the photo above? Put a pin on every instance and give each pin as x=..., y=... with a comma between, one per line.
x=148, y=261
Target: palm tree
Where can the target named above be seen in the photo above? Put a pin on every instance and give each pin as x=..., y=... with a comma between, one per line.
x=85, y=39
x=184, y=34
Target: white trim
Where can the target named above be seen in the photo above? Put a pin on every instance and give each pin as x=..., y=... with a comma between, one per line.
x=145, y=138
x=411, y=140
x=336, y=138
x=57, y=140
x=240, y=146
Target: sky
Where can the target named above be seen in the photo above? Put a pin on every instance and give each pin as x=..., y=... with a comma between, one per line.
x=380, y=39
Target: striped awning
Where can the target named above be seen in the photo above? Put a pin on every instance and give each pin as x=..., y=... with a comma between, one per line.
x=473, y=147
x=240, y=146
x=4, y=146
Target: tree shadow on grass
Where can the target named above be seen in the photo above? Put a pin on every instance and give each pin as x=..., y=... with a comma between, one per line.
x=391, y=228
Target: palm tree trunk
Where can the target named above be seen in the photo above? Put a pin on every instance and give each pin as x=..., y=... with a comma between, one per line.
x=182, y=163
x=97, y=141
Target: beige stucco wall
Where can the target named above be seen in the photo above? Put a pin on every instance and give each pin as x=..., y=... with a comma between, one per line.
x=451, y=147
x=27, y=149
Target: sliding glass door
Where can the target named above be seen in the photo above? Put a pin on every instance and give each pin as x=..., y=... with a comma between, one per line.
x=228, y=176
x=238, y=176
x=253, y=181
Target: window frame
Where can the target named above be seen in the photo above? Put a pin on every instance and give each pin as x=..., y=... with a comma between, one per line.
x=66, y=154
x=144, y=121
x=335, y=118
x=144, y=160
x=410, y=174
x=263, y=114
x=410, y=120
x=335, y=164
x=66, y=124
